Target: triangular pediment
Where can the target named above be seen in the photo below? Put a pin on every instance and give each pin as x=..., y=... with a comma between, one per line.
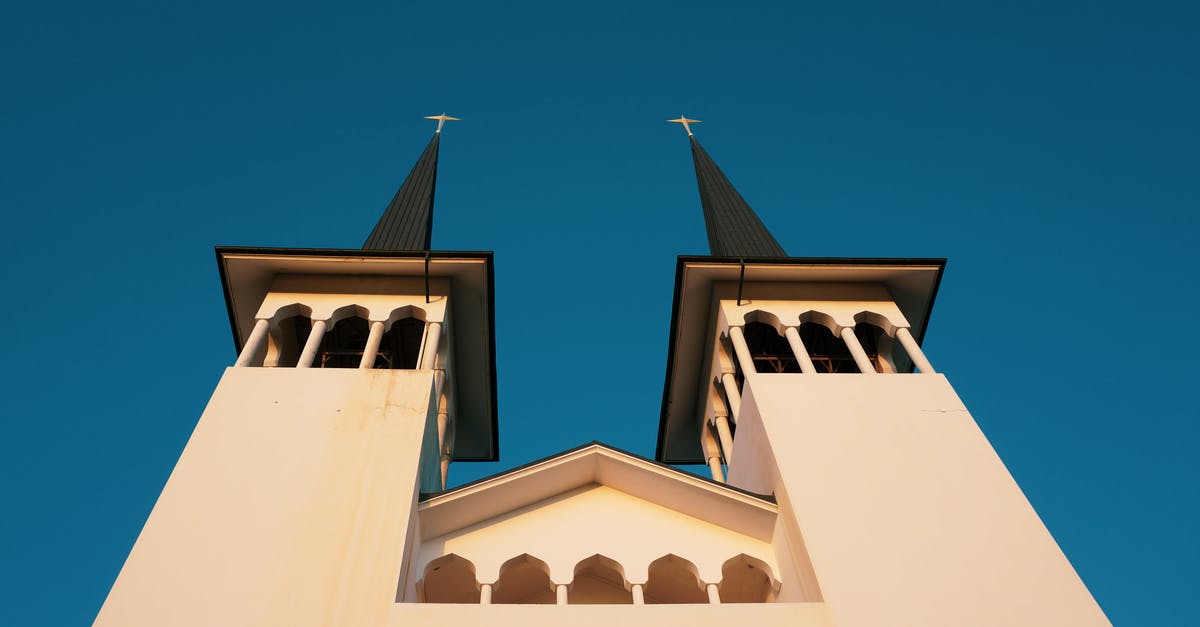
x=598, y=466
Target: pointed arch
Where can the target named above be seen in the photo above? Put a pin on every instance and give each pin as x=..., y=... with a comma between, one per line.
x=294, y=309
x=599, y=580
x=344, y=342
x=524, y=579
x=877, y=335
x=449, y=579
x=673, y=579
x=764, y=317
x=821, y=318
x=401, y=313
x=746, y=579
x=348, y=311
x=877, y=319
x=288, y=330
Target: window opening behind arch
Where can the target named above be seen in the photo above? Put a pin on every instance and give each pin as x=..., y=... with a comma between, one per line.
x=827, y=351
x=401, y=345
x=293, y=333
x=673, y=580
x=343, y=345
x=769, y=350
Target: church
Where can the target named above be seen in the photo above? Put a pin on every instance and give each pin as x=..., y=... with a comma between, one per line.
x=847, y=485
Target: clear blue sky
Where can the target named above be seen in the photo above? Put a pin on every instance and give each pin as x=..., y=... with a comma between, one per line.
x=1049, y=150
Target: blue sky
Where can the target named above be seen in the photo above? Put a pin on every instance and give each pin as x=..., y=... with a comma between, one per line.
x=1049, y=150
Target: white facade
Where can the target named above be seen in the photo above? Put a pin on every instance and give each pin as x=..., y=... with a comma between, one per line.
x=852, y=499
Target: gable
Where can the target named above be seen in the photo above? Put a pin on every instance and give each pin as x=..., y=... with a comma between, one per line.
x=567, y=528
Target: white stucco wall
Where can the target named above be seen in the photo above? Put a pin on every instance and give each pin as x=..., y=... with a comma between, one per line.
x=834, y=304
x=739, y=615
x=907, y=513
x=289, y=506
x=379, y=296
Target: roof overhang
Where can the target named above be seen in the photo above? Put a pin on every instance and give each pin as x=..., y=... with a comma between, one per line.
x=247, y=274
x=913, y=284
x=598, y=464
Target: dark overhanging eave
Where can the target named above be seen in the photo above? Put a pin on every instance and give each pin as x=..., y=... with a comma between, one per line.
x=681, y=263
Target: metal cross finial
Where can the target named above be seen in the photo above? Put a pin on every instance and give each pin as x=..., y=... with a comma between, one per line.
x=685, y=122
x=442, y=119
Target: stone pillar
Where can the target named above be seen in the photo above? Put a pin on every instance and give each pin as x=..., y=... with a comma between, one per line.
x=639, y=595
x=560, y=594
x=253, y=343
x=729, y=382
x=714, y=596
x=712, y=453
x=914, y=352
x=726, y=437
x=371, y=350
x=856, y=350
x=485, y=594
x=800, y=350
x=443, y=427
x=432, y=337
x=742, y=351
x=312, y=345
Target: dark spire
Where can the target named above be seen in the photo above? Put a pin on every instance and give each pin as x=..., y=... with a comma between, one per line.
x=733, y=228
x=407, y=223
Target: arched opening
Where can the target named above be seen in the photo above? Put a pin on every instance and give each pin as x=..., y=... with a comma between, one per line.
x=287, y=340
x=769, y=350
x=745, y=579
x=599, y=580
x=673, y=579
x=449, y=579
x=875, y=343
x=524, y=579
x=827, y=351
x=343, y=345
x=401, y=345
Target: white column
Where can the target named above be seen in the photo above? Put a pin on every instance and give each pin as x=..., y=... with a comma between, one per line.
x=712, y=454
x=443, y=423
x=310, y=347
x=800, y=350
x=729, y=382
x=371, y=350
x=639, y=595
x=445, y=468
x=485, y=594
x=726, y=438
x=914, y=352
x=714, y=596
x=560, y=593
x=432, y=335
x=856, y=350
x=253, y=343
x=742, y=351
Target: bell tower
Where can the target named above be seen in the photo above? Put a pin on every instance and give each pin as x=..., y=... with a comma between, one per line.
x=804, y=378
x=361, y=374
